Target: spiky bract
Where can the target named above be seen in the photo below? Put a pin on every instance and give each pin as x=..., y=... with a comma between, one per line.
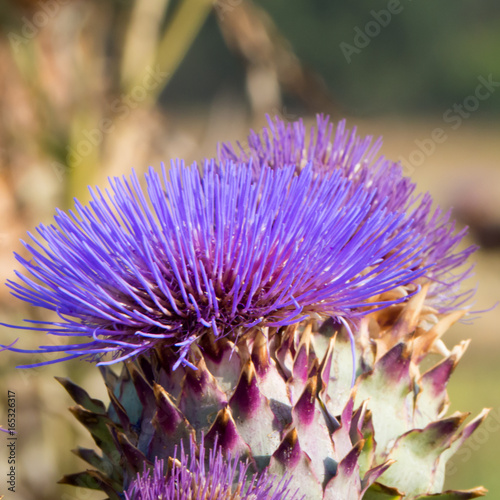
x=287, y=406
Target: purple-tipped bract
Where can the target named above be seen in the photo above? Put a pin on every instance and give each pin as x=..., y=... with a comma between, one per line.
x=358, y=159
x=190, y=478
x=217, y=250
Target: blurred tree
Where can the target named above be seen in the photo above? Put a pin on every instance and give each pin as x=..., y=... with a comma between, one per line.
x=426, y=57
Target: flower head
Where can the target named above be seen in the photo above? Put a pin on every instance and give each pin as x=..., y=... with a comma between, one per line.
x=217, y=250
x=358, y=160
x=190, y=478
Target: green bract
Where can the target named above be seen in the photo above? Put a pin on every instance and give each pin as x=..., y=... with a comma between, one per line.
x=287, y=406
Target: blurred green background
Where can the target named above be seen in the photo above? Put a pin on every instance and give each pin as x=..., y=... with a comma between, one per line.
x=90, y=89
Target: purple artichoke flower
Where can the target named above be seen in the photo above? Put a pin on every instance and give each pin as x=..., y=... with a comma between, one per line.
x=214, y=251
x=190, y=478
x=358, y=159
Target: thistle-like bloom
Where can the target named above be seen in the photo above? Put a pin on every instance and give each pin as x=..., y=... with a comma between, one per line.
x=190, y=478
x=359, y=161
x=215, y=251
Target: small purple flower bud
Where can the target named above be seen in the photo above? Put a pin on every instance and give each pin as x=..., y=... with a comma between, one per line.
x=198, y=477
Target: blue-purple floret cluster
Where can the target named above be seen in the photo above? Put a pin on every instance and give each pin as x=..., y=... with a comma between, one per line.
x=358, y=159
x=270, y=236
x=193, y=478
